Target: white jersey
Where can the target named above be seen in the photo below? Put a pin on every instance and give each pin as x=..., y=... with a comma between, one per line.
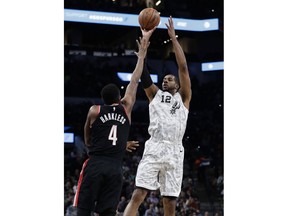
x=168, y=118
x=162, y=163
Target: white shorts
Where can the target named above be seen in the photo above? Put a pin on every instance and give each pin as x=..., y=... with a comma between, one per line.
x=161, y=167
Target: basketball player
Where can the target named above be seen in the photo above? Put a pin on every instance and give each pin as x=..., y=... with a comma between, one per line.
x=106, y=132
x=161, y=166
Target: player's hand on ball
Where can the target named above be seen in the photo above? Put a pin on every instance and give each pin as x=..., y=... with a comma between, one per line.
x=147, y=33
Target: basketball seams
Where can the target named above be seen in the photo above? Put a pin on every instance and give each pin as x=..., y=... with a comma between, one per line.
x=148, y=18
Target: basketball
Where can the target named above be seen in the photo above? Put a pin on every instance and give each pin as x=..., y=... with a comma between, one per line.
x=149, y=18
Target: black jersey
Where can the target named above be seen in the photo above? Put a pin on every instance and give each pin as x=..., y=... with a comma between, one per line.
x=109, y=132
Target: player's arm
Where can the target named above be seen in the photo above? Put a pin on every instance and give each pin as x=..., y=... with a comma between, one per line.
x=130, y=94
x=183, y=73
x=149, y=87
x=91, y=116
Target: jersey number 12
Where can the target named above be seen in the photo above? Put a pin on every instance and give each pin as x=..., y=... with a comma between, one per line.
x=113, y=134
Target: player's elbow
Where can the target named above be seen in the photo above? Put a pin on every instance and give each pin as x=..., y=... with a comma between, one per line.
x=183, y=67
x=132, y=101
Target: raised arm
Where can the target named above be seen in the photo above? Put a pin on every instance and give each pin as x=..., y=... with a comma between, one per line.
x=130, y=95
x=149, y=87
x=183, y=73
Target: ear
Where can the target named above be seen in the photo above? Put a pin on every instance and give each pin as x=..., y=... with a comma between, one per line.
x=177, y=86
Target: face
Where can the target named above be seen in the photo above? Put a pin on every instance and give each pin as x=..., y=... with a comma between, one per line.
x=169, y=83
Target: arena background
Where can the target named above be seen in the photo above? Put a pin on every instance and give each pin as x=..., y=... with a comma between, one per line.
x=94, y=53
x=32, y=96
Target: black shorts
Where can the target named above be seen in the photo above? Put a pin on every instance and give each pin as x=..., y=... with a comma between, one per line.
x=100, y=184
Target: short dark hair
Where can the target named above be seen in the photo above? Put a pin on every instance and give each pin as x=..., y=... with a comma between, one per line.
x=110, y=94
x=176, y=79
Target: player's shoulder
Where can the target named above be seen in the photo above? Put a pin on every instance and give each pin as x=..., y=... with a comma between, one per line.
x=160, y=92
x=95, y=106
x=95, y=109
x=124, y=108
x=121, y=106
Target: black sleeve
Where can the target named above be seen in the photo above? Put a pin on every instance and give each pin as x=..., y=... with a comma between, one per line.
x=146, y=80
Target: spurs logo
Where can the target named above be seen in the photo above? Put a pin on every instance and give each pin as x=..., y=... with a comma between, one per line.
x=175, y=106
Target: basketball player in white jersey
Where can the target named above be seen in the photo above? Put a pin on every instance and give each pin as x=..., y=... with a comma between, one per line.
x=161, y=166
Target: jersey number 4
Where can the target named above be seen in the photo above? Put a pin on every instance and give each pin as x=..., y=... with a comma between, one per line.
x=113, y=134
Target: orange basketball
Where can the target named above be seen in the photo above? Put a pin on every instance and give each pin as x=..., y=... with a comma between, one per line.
x=149, y=18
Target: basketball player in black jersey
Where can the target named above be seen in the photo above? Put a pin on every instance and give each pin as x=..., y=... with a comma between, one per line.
x=106, y=133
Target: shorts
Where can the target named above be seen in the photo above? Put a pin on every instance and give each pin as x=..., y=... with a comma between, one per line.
x=161, y=167
x=100, y=184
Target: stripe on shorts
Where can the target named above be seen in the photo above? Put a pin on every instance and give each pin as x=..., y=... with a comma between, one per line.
x=75, y=203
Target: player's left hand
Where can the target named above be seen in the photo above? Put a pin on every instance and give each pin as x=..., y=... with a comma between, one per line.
x=131, y=145
x=170, y=27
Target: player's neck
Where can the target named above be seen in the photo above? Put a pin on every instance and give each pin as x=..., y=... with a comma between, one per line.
x=172, y=92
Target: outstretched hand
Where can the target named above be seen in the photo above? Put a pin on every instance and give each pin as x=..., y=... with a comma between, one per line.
x=147, y=33
x=143, y=44
x=170, y=27
x=131, y=145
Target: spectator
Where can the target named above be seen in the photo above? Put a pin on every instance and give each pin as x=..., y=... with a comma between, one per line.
x=152, y=198
x=151, y=211
x=122, y=205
